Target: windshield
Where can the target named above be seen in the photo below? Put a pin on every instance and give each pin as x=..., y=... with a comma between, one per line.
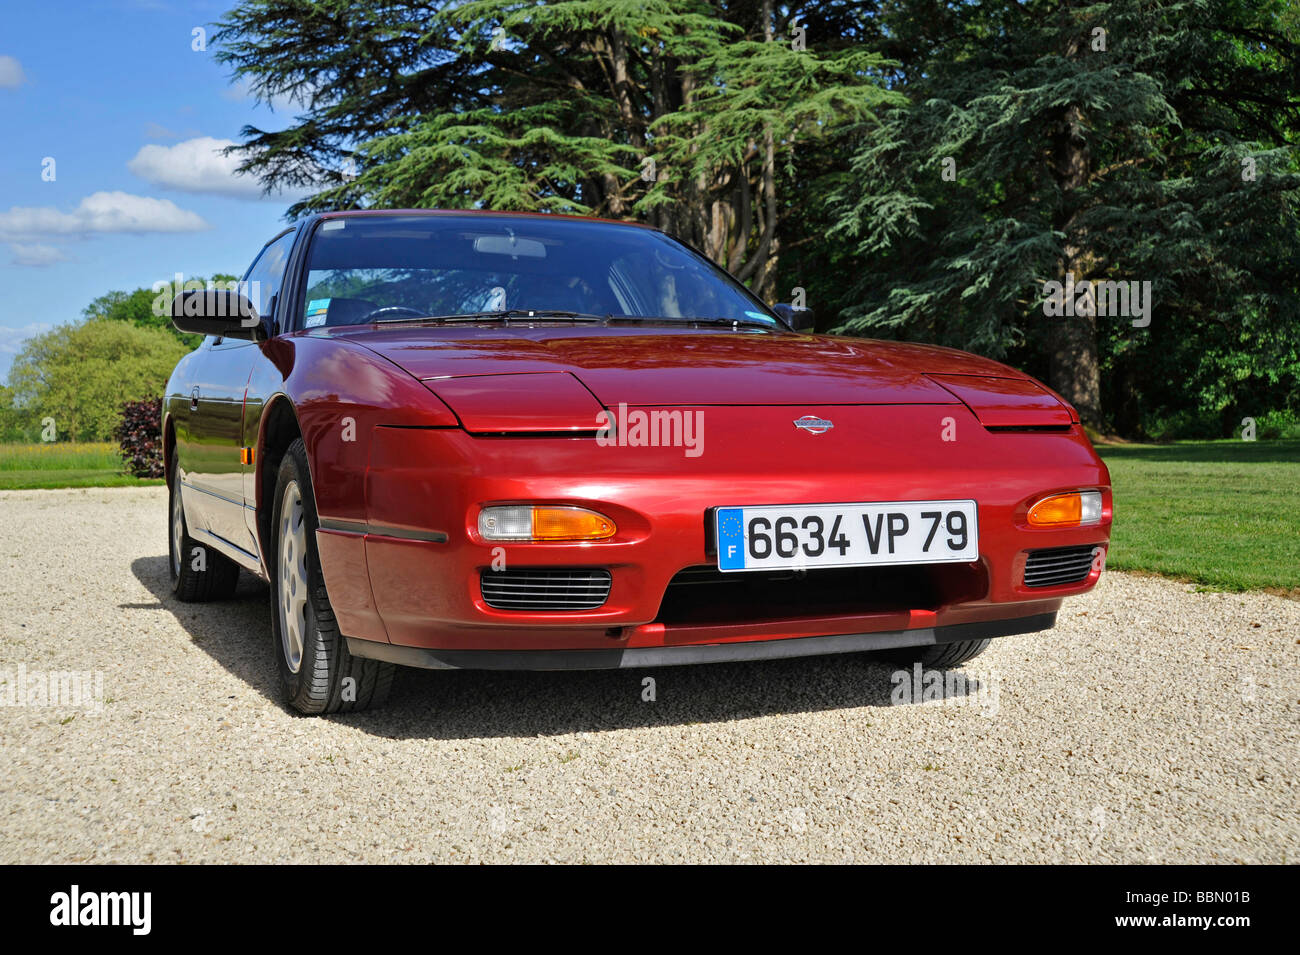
x=385, y=268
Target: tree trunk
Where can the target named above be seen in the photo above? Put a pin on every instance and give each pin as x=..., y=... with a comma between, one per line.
x=760, y=270
x=1074, y=368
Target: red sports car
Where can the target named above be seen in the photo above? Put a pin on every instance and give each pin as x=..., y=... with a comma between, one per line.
x=467, y=439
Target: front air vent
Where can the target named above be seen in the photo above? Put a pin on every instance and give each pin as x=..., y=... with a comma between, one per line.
x=545, y=588
x=705, y=596
x=1058, y=565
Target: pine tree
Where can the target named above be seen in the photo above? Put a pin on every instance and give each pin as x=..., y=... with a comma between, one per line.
x=1134, y=140
x=684, y=113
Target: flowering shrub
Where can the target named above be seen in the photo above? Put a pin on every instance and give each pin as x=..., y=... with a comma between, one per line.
x=139, y=437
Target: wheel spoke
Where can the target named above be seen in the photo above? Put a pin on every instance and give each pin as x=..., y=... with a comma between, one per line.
x=177, y=528
x=293, y=575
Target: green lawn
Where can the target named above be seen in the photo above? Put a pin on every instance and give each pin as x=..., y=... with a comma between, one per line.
x=1225, y=514
x=60, y=464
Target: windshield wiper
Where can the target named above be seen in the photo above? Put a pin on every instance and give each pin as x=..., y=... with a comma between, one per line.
x=503, y=314
x=686, y=320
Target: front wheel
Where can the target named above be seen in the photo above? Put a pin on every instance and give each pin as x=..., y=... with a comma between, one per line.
x=317, y=674
x=943, y=655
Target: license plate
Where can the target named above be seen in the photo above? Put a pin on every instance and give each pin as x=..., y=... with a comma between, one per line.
x=846, y=535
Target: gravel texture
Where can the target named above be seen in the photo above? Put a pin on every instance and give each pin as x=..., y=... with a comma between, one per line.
x=1155, y=724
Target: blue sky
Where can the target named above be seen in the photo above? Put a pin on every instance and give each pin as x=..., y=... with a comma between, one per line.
x=131, y=114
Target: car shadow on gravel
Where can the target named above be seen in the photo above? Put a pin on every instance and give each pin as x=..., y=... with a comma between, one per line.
x=227, y=630
x=474, y=704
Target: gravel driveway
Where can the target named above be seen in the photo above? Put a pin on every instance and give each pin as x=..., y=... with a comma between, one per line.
x=1156, y=724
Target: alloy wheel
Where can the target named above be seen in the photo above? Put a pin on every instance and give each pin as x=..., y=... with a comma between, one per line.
x=293, y=575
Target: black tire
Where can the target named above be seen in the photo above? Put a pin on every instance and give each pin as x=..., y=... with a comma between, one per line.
x=944, y=655
x=198, y=573
x=327, y=679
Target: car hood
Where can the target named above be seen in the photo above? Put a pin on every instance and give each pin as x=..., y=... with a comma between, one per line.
x=682, y=366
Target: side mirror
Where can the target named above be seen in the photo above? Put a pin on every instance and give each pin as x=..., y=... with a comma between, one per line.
x=226, y=314
x=799, y=319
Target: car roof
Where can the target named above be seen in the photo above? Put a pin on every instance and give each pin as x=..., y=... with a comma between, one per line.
x=361, y=213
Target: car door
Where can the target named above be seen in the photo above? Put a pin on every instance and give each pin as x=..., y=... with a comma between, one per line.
x=220, y=382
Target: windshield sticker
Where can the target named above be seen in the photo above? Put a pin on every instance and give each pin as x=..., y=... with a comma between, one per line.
x=759, y=316
x=316, y=311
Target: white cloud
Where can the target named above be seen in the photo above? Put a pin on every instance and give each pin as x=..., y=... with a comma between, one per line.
x=11, y=73
x=100, y=213
x=195, y=165
x=36, y=254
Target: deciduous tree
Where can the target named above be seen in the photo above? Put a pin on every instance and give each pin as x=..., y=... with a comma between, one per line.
x=80, y=375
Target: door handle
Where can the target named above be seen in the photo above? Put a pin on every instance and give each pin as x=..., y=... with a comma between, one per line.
x=194, y=399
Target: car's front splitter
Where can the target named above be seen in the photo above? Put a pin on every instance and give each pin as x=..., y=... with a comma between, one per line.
x=633, y=657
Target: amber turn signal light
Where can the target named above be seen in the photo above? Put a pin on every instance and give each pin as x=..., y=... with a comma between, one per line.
x=1073, y=509
x=557, y=523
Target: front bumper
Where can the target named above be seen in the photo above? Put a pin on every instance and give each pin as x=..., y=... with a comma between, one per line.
x=408, y=575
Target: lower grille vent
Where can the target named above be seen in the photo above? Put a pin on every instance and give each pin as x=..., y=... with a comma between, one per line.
x=1058, y=565
x=545, y=588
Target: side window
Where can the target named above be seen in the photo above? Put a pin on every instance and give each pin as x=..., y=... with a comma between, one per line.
x=268, y=273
